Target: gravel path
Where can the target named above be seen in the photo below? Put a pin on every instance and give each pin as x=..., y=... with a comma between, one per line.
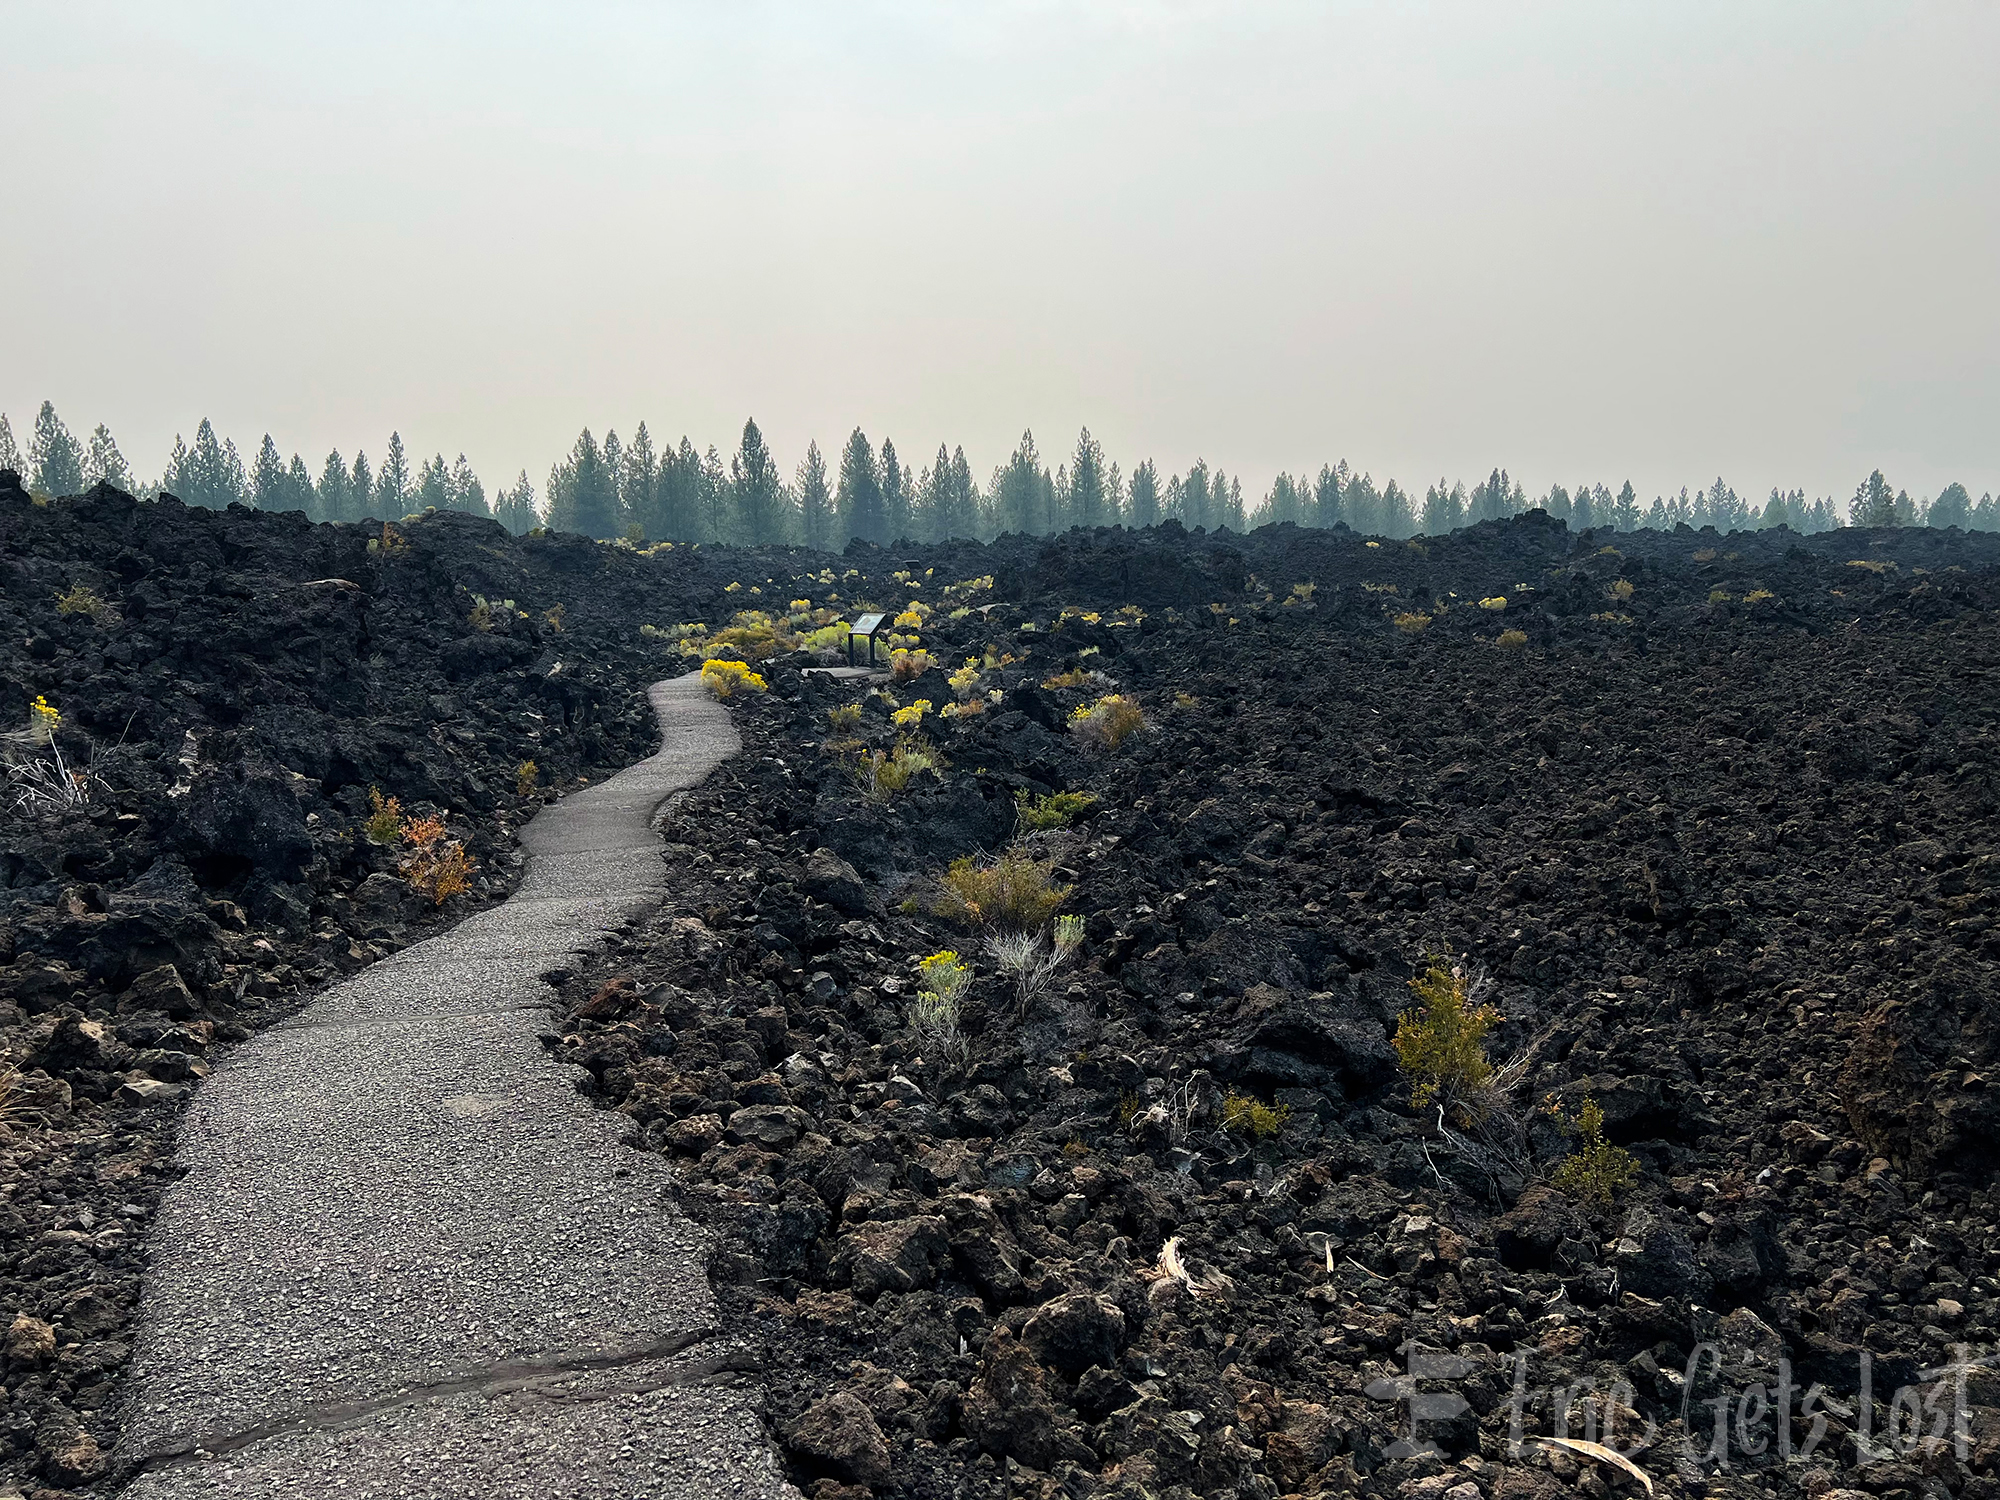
x=408, y=1259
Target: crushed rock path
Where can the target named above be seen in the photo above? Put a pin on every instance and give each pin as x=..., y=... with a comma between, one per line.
x=408, y=1259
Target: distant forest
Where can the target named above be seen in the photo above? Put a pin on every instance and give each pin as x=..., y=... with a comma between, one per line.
x=632, y=490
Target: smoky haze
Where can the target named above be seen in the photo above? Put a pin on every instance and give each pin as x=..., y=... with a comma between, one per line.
x=1586, y=243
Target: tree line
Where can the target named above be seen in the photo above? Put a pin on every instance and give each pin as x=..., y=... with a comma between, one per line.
x=618, y=489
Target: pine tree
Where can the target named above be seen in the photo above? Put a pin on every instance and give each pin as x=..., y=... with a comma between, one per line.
x=1398, y=516
x=895, y=494
x=1142, y=497
x=969, y=510
x=103, y=464
x=641, y=487
x=1087, y=482
x=514, y=506
x=1283, y=503
x=392, y=482
x=816, y=501
x=858, y=500
x=1584, y=509
x=361, y=489
x=1329, y=496
x=714, y=507
x=1625, y=510
x=55, y=462
x=1444, y=509
x=201, y=475
x=1019, y=499
x=762, y=511
x=331, y=500
x=299, y=487
x=1953, y=507
x=581, y=497
x=174, y=480
x=466, y=493
x=267, y=477
x=1197, y=508
x=1874, y=503
x=678, y=499
x=432, y=491
x=10, y=456
x=614, y=467
x=1363, y=504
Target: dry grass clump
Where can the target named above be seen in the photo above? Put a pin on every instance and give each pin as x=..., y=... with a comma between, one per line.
x=1107, y=722
x=1013, y=893
x=526, y=774
x=1412, y=622
x=1441, y=1043
x=82, y=599
x=1513, y=640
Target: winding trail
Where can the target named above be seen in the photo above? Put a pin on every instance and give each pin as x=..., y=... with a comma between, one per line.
x=409, y=1260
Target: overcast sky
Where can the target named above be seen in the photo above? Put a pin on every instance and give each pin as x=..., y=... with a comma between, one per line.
x=1583, y=242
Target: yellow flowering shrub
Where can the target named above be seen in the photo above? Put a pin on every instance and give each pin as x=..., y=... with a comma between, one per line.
x=726, y=678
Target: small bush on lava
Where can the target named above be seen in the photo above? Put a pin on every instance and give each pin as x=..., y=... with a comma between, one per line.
x=82, y=599
x=1012, y=893
x=1597, y=1170
x=726, y=678
x=1442, y=1042
x=908, y=666
x=1057, y=810
x=385, y=817
x=1245, y=1115
x=1107, y=722
x=435, y=864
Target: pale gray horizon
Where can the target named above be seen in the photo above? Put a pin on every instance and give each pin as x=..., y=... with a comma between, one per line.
x=1584, y=243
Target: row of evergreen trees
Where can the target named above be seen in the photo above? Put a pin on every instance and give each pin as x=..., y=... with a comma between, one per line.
x=618, y=489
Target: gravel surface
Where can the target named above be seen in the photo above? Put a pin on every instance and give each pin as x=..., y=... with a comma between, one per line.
x=401, y=1235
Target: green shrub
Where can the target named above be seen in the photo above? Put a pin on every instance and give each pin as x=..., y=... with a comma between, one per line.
x=1057, y=810
x=1597, y=1170
x=1441, y=1043
x=385, y=818
x=1244, y=1115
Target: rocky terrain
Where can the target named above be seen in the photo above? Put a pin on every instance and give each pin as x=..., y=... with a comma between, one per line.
x=1717, y=827
x=1712, y=815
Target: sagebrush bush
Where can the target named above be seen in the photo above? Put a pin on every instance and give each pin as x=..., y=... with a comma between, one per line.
x=844, y=715
x=1057, y=810
x=726, y=678
x=1011, y=894
x=525, y=776
x=1075, y=677
x=1513, y=640
x=1412, y=622
x=1442, y=1042
x=1597, y=1170
x=1108, y=722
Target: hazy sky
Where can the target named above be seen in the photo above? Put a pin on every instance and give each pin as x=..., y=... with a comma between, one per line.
x=1584, y=242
